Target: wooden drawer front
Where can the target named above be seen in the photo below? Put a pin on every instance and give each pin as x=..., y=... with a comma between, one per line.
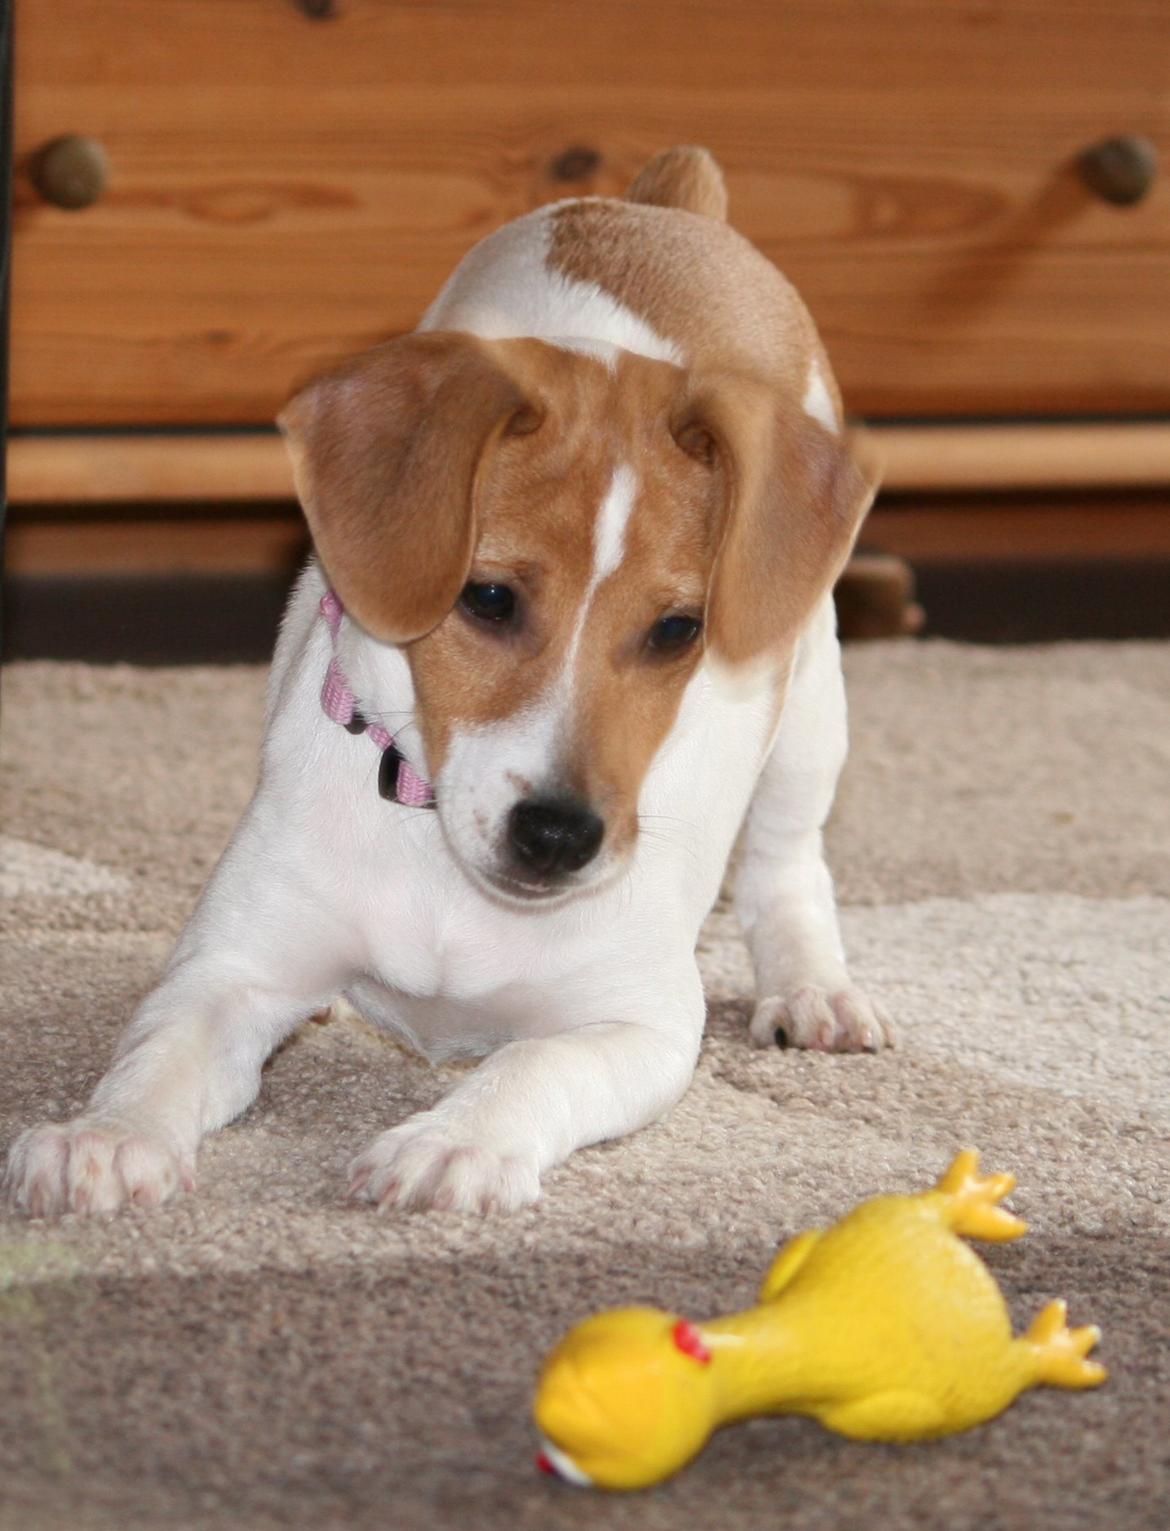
x=284, y=190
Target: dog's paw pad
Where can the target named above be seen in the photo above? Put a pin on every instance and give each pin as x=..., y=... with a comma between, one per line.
x=417, y=1169
x=84, y=1166
x=827, y=1021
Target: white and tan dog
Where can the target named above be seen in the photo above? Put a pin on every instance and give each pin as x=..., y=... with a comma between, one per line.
x=581, y=529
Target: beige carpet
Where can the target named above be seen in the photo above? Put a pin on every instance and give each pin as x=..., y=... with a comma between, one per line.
x=259, y=1355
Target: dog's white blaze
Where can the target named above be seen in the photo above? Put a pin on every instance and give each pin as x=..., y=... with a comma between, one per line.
x=539, y=727
x=490, y=766
x=609, y=533
x=609, y=546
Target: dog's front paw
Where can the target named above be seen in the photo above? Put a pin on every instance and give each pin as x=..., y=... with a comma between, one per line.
x=90, y=1166
x=828, y=1021
x=416, y=1168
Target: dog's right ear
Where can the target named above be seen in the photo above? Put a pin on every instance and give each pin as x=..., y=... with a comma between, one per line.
x=386, y=452
x=794, y=500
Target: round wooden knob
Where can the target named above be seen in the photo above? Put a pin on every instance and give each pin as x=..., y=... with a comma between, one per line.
x=575, y=164
x=71, y=172
x=1120, y=170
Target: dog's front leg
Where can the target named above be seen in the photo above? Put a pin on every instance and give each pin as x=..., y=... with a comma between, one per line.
x=188, y=1063
x=784, y=892
x=527, y=1107
x=246, y=970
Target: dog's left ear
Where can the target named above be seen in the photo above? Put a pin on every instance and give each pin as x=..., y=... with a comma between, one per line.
x=793, y=501
x=386, y=452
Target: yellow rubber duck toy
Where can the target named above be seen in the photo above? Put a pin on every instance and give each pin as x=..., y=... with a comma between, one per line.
x=885, y=1327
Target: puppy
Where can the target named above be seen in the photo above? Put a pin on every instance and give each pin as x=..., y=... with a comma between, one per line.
x=568, y=623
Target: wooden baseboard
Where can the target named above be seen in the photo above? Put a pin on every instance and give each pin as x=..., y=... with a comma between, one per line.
x=74, y=469
x=166, y=540
x=271, y=538
x=1003, y=528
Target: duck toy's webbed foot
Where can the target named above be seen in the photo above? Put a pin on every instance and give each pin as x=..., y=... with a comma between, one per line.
x=969, y=1201
x=1060, y=1352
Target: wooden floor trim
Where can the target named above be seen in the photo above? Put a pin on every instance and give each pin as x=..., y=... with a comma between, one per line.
x=77, y=469
x=923, y=459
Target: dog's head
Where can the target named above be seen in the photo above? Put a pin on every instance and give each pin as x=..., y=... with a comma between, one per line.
x=558, y=539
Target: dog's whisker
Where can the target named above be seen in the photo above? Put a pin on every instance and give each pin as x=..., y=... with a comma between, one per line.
x=666, y=818
x=388, y=721
x=669, y=838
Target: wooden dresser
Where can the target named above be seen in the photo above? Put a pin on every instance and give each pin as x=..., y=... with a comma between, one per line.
x=271, y=184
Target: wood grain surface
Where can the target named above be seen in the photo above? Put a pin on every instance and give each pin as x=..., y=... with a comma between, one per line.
x=283, y=191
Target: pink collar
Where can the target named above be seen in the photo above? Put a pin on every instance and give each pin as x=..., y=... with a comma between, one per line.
x=397, y=782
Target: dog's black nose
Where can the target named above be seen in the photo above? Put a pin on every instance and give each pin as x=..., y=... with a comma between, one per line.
x=554, y=834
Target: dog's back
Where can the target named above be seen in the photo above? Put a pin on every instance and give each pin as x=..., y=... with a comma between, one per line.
x=660, y=273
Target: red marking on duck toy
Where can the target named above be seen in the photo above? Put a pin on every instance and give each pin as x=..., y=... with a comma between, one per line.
x=690, y=1342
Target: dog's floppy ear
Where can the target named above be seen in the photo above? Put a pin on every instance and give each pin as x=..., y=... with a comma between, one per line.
x=386, y=452
x=793, y=500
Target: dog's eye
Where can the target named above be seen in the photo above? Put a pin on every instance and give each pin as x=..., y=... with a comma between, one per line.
x=669, y=634
x=490, y=603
